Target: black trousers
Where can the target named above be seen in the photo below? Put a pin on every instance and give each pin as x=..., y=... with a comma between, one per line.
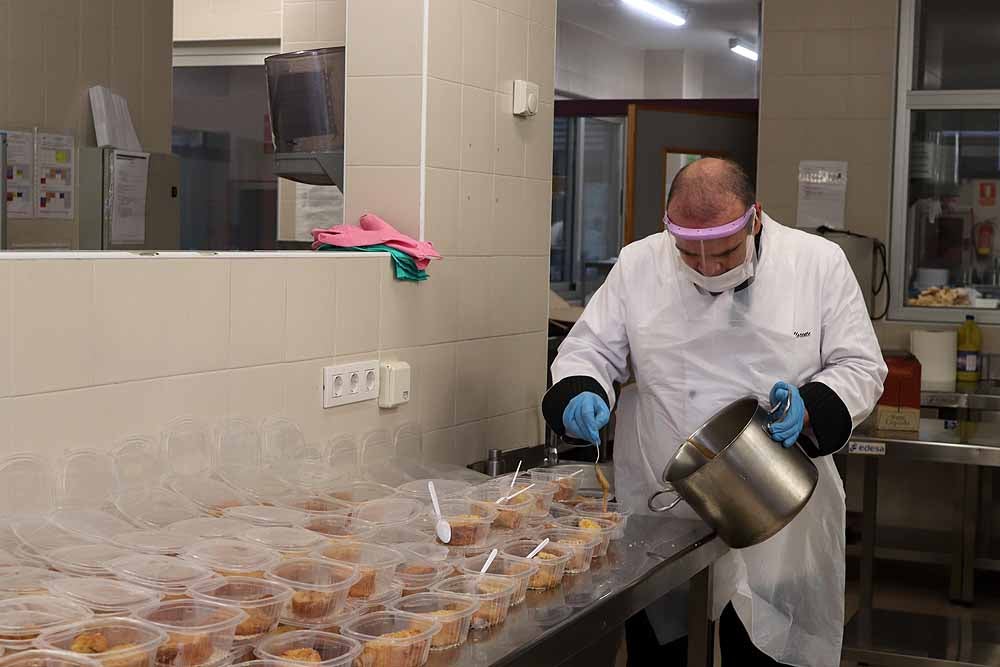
x=644, y=650
x=735, y=644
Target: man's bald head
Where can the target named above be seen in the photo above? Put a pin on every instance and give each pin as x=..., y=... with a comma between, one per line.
x=709, y=191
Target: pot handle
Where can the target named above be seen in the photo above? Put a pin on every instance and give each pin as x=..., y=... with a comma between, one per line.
x=778, y=411
x=668, y=488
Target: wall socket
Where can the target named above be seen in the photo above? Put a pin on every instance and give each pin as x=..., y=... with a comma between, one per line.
x=350, y=383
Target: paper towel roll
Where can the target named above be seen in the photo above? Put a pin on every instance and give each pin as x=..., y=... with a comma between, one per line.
x=936, y=351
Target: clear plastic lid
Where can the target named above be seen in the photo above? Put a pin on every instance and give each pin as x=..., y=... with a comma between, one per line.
x=356, y=493
x=382, y=625
x=27, y=485
x=313, y=478
x=84, y=560
x=401, y=535
x=445, y=488
x=29, y=557
x=341, y=527
x=342, y=452
x=256, y=483
x=23, y=618
x=361, y=553
x=310, y=646
x=136, y=463
x=428, y=550
x=154, y=507
x=103, y=596
x=283, y=539
x=25, y=580
x=283, y=441
x=187, y=448
x=266, y=515
x=238, y=442
x=390, y=511
x=208, y=527
x=228, y=556
x=313, y=504
x=47, y=658
x=8, y=559
x=161, y=573
x=89, y=524
x=242, y=592
x=155, y=542
x=210, y=495
x=314, y=574
x=39, y=534
x=86, y=479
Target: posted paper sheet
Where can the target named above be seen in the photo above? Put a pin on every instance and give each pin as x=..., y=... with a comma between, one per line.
x=822, y=194
x=128, y=205
x=20, y=168
x=55, y=161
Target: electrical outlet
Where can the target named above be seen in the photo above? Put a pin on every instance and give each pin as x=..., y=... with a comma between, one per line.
x=350, y=383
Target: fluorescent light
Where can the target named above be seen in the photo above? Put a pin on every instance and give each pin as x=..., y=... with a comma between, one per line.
x=739, y=49
x=656, y=11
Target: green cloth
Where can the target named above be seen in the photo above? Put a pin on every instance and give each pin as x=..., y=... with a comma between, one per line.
x=405, y=267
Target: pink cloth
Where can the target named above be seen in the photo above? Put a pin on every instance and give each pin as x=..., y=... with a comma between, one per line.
x=373, y=230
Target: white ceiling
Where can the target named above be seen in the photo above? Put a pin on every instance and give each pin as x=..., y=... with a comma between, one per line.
x=710, y=23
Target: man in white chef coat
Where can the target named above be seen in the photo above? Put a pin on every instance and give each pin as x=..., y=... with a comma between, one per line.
x=723, y=304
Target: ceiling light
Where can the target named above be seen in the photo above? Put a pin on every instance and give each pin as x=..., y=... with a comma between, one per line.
x=657, y=11
x=740, y=49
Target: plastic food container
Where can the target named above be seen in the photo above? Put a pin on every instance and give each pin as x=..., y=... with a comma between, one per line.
x=390, y=511
x=511, y=513
x=154, y=542
x=616, y=513
x=519, y=570
x=444, y=488
x=558, y=511
x=310, y=646
x=581, y=544
x=89, y=524
x=261, y=600
x=23, y=619
x=29, y=558
x=232, y=558
x=209, y=527
x=319, y=587
x=313, y=478
x=340, y=527
x=377, y=602
x=376, y=565
x=426, y=550
x=171, y=577
x=7, y=559
x=332, y=624
x=551, y=562
x=494, y=595
x=47, y=658
x=265, y=515
x=418, y=574
x=453, y=612
x=40, y=535
x=210, y=495
x=113, y=642
x=542, y=490
x=25, y=580
x=470, y=521
x=392, y=638
x=85, y=560
x=198, y=632
x=402, y=535
x=566, y=477
x=288, y=541
x=313, y=504
x=261, y=486
x=154, y=507
x=356, y=493
x=104, y=597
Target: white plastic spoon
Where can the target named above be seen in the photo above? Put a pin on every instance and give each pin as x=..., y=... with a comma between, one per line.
x=442, y=527
x=514, y=480
x=515, y=494
x=489, y=561
x=537, y=550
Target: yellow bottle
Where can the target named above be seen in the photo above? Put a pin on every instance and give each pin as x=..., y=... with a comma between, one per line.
x=970, y=344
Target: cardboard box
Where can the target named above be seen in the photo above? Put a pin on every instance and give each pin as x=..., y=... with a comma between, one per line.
x=889, y=418
x=899, y=407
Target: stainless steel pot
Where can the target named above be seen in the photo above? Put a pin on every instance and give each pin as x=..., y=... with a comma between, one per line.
x=739, y=481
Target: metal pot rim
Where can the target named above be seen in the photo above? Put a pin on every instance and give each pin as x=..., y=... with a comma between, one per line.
x=736, y=436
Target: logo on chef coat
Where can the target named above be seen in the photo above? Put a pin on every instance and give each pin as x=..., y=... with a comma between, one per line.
x=802, y=334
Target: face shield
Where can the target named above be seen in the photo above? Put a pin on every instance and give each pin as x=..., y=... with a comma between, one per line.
x=717, y=258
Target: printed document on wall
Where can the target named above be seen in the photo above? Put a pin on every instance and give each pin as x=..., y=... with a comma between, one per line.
x=55, y=161
x=822, y=194
x=20, y=167
x=130, y=171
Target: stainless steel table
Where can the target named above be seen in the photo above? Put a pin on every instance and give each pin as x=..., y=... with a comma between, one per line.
x=881, y=638
x=559, y=626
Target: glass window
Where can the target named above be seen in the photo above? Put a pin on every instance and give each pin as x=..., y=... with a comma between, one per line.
x=229, y=193
x=957, y=45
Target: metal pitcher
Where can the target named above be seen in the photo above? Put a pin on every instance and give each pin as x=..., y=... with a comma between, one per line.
x=739, y=481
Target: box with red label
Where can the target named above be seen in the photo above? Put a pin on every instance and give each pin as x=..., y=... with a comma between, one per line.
x=899, y=407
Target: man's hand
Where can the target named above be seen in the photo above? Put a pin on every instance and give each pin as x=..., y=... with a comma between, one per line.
x=585, y=416
x=787, y=429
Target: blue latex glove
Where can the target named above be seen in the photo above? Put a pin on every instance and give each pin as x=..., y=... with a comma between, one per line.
x=786, y=430
x=585, y=416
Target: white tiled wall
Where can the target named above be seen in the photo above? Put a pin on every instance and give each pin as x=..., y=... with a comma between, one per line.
x=92, y=350
x=227, y=19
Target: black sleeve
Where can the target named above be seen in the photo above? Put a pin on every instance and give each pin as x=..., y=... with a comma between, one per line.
x=558, y=397
x=828, y=417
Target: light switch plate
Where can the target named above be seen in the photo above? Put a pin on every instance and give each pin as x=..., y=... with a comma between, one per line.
x=350, y=383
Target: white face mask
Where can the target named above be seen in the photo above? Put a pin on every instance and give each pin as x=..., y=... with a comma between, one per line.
x=730, y=279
